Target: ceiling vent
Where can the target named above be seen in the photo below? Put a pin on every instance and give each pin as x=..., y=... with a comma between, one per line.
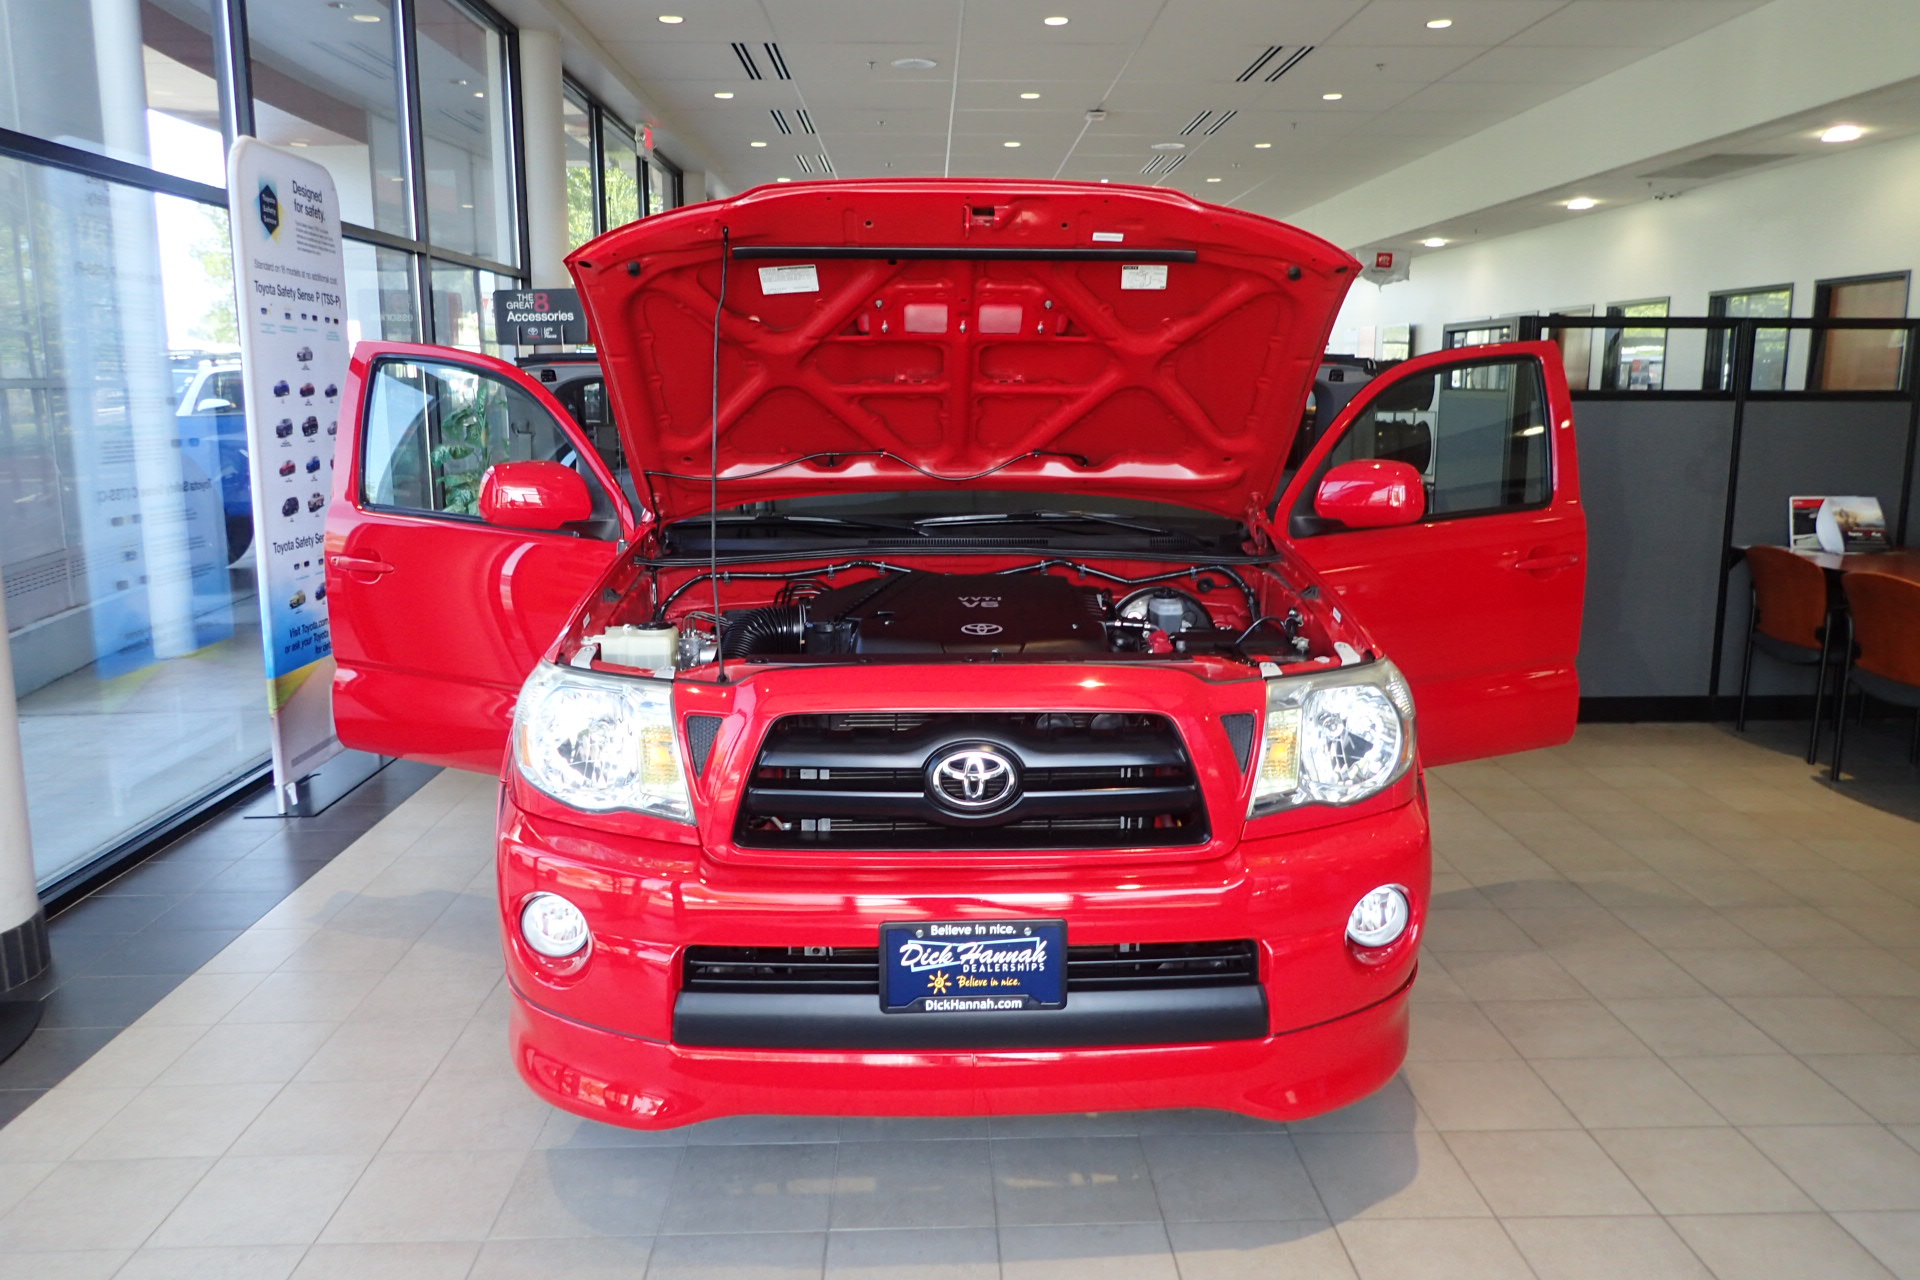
x=1274, y=63
x=1220, y=123
x=1162, y=164
x=780, y=120
x=805, y=162
x=745, y=55
x=1196, y=122
x=806, y=121
x=1723, y=165
x=777, y=61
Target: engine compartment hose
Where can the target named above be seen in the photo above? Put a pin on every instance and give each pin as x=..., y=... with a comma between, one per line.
x=774, y=629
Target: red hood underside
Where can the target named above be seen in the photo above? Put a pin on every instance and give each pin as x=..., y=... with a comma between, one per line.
x=1059, y=337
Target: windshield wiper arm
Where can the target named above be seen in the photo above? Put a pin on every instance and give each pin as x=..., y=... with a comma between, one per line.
x=1055, y=517
x=837, y=522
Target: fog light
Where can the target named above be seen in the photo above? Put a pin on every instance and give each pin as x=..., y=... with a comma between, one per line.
x=1380, y=917
x=555, y=927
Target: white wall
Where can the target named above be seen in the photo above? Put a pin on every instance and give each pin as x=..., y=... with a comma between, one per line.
x=1856, y=212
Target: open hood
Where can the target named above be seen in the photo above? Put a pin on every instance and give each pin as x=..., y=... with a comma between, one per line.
x=927, y=333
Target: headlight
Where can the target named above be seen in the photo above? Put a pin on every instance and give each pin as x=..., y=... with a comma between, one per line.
x=1333, y=737
x=600, y=742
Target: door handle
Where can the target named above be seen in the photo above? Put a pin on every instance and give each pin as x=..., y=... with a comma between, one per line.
x=1541, y=561
x=355, y=564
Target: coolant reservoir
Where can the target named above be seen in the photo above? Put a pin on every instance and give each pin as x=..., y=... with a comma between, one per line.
x=648, y=648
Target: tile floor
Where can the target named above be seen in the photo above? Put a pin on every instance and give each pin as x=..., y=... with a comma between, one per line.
x=1668, y=1028
x=120, y=950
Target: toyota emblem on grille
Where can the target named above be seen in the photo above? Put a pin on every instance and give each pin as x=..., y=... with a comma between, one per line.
x=973, y=779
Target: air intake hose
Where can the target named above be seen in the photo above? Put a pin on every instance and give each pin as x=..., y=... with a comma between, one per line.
x=776, y=629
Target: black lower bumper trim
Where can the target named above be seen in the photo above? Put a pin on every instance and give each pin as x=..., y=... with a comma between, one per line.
x=1092, y=1019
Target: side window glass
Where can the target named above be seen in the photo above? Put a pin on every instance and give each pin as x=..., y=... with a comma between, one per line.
x=1476, y=433
x=432, y=430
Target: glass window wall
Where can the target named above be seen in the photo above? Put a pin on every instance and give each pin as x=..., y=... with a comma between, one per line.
x=128, y=79
x=324, y=84
x=622, y=175
x=463, y=96
x=126, y=531
x=583, y=201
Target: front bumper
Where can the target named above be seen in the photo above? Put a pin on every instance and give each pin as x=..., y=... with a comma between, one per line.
x=610, y=1033
x=648, y=1084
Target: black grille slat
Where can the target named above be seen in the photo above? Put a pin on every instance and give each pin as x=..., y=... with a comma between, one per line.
x=859, y=780
x=1156, y=966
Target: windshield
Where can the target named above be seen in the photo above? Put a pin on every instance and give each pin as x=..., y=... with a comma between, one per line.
x=988, y=517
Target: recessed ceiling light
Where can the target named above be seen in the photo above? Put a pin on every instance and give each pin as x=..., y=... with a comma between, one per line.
x=1106, y=179
x=1213, y=179
x=1055, y=21
x=1332, y=97
x=466, y=206
x=783, y=179
x=1434, y=242
x=915, y=64
x=1580, y=204
x=478, y=94
x=1168, y=146
x=366, y=17
x=1263, y=146
x=1439, y=24
x=672, y=19
x=1009, y=144
x=1844, y=133
x=299, y=142
x=756, y=143
x=1029, y=97
x=723, y=95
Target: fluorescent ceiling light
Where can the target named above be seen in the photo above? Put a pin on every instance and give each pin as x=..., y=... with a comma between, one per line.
x=756, y=144
x=1009, y=144
x=1434, y=242
x=723, y=95
x=1580, y=204
x=915, y=64
x=1029, y=96
x=672, y=19
x=1168, y=146
x=1332, y=97
x=783, y=179
x=1844, y=133
x=1263, y=146
x=1439, y=24
x=1213, y=179
x=1106, y=179
x=366, y=17
x=1055, y=21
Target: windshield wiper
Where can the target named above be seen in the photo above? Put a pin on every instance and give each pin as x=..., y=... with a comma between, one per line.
x=1055, y=517
x=789, y=518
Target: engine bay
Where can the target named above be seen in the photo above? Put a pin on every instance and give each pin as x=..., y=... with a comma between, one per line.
x=879, y=611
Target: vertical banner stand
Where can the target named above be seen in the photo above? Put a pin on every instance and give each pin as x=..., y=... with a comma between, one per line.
x=289, y=270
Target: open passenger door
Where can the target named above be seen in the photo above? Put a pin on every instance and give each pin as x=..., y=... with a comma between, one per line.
x=1479, y=600
x=438, y=615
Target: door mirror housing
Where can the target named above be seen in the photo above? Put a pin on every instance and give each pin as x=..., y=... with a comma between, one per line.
x=534, y=495
x=1371, y=494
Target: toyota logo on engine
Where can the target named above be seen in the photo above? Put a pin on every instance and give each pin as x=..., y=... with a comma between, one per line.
x=982, y=629
x=972, y=779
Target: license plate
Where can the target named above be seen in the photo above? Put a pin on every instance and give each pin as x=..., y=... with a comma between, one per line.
x=973, y=966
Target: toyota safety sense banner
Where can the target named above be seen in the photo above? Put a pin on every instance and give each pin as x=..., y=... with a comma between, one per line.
x=290, y=273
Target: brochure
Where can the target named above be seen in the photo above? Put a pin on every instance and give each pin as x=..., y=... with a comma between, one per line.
x=1851, y=525
x=1802, y=513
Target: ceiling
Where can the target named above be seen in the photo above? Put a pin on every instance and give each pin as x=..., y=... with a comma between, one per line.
x=1889, y=113
x=1260, y=69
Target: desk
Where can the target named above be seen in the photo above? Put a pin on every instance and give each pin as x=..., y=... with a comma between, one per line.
x=1899, y=563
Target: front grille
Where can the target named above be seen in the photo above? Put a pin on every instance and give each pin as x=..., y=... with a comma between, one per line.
x=859, y=780
x=1151, y=966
